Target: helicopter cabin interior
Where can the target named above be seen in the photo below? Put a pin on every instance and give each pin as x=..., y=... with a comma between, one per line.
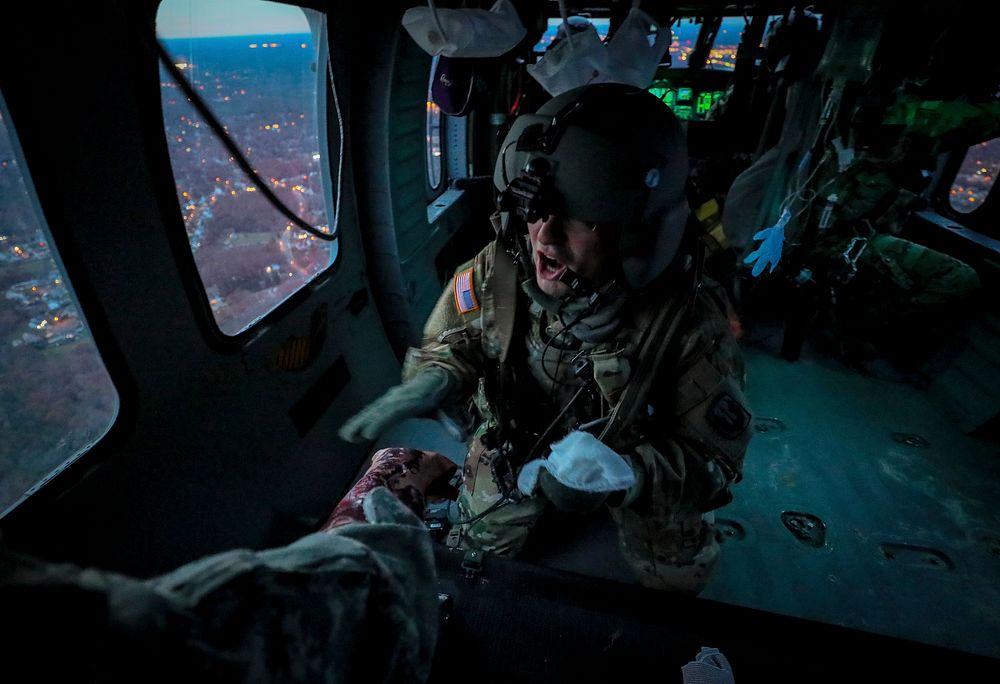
x=223, y=222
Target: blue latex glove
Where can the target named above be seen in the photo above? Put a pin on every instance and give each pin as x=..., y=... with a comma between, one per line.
x=769, y=251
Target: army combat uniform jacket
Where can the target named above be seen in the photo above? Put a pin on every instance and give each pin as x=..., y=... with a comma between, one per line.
x=685, y=444
x=347, y=605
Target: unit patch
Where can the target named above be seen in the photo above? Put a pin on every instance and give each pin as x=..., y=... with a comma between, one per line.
x=728, y=416
x=465, y=295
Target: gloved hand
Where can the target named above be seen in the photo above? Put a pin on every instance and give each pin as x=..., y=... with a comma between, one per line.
x=769, y=251
x=424, y=393
x=580, y=473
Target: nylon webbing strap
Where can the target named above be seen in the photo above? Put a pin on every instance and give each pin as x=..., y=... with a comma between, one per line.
x=505, y=302
x=656, y=341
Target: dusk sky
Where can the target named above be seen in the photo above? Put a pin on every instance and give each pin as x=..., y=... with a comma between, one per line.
x=204, y=18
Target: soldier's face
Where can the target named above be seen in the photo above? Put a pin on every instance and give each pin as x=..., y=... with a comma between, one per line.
x=559, y=243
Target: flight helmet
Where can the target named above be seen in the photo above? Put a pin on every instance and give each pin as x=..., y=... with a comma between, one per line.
x=607, y=153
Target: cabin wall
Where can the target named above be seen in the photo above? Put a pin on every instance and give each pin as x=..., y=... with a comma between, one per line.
x=216, y=446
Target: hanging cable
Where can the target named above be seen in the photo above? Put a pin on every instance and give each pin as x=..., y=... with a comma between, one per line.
x=565, y=329
x=505, y=499
x=340, y=140
x=803, y=177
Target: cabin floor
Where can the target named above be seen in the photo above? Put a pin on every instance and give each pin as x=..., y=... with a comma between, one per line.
x=865, y=502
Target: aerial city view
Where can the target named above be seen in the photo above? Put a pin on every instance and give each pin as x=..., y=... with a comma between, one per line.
x=263, y=90
x=55, y=393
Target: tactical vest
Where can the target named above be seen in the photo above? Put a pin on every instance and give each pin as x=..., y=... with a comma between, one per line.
x=623, y=374
x=679, y=347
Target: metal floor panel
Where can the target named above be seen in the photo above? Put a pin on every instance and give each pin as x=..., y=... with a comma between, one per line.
x=907, y=503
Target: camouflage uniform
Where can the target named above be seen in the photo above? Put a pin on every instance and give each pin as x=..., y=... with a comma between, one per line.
x=685, y=452
x=348, y=605
x=898, y=297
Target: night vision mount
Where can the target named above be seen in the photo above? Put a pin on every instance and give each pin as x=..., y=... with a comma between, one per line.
x=532, y=195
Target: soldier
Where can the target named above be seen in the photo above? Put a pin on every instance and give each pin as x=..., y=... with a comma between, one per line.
x=598, y=367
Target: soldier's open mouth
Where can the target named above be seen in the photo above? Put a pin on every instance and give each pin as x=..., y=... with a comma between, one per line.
x=549, y=268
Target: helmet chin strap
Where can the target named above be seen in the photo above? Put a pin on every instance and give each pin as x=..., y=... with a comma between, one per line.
x=511, y=228
x=578, y=285
x=517, y=240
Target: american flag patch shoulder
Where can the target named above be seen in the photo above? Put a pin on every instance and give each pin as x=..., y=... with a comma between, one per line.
x=465, y=294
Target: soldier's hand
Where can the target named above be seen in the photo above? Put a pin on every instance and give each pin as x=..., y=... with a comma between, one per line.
x=567, y=498
x=579, y=475
x=421, y=395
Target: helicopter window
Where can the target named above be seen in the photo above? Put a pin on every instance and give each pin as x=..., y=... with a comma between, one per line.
x=722, y=56
x=975, y=177
x=685, y=32
x=603, y=26
x=723, y=53
x=446, y=150
x=434, y=154
x=261, y=70
x=56, y=396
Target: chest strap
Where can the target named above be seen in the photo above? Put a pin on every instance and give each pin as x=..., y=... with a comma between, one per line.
x=505, y=298
x=655, y=342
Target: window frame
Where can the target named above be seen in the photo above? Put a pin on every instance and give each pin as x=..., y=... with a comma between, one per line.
x=80, y=292
x=984, y=218
x=453, y=140
x=330, y=113
x=433, y=190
